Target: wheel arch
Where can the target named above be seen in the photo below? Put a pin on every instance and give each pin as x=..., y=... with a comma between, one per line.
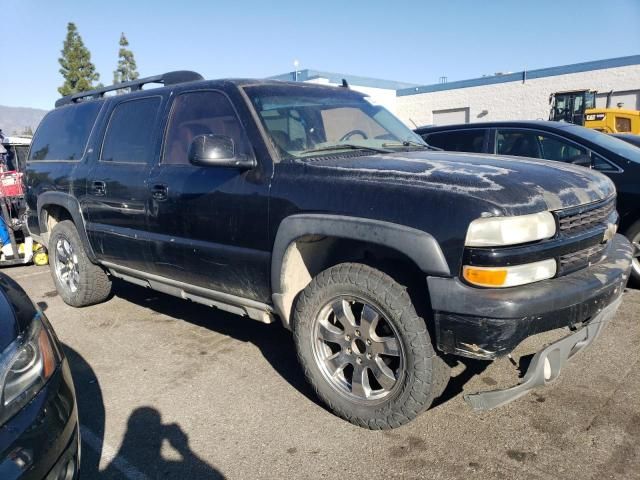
x=306, y=244
x=54, y=207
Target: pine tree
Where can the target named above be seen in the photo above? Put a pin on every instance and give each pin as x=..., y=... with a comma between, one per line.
x=78, y=71
x=126, y=70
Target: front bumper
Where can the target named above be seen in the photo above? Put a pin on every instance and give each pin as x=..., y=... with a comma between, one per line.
x=546, y=365
x=489, y=323
x=42, y=438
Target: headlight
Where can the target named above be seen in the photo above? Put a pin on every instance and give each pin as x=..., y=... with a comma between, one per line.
x=510, y=276
x=501, y=231
x=25, y=366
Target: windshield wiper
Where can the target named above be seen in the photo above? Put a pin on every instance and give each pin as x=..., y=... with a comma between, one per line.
x=410, y=143
x=345, y=146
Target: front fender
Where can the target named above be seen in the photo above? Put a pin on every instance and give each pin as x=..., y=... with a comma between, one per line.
x=419, y=246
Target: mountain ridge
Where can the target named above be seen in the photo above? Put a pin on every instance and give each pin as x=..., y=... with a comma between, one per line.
x=17, y=120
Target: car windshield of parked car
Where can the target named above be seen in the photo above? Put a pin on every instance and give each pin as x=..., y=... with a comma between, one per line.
x=608, y=142
x=305, y=121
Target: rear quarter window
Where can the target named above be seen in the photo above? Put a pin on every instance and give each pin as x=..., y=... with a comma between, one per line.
x=63, y=133
x=458, y=141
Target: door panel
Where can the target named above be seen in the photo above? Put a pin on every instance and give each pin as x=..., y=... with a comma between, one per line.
x=211, y=229
x=117, y=192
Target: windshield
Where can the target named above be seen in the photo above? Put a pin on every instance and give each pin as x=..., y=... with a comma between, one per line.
x=305, y=120
x=603, y=140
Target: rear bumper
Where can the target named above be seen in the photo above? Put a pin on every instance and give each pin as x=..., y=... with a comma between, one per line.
x=488, y=323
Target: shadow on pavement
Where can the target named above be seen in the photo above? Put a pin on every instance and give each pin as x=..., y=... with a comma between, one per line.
x=275, y=343
x=143, y=444
x=143, y=452
x=456, y=384
x=90, y=410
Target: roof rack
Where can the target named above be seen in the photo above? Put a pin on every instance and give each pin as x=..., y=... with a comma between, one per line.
x=169, y=78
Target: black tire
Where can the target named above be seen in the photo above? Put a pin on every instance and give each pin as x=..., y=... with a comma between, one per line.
x=420, y=376
x=91, y=283
x=633, y=234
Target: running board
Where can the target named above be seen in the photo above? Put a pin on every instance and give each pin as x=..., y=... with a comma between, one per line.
x=212, y=298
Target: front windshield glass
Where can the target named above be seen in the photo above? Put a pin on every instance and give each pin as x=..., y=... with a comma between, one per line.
x=310, y=121
x=603, y=140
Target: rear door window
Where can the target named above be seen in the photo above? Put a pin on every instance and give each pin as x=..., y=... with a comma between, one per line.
x=64, y=132
x=518, y=144
x=537, y=144
x=130, y=134
x=459, y=140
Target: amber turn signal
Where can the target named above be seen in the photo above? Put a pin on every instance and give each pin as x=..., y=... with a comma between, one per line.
x=510, y=276
x=485, y=277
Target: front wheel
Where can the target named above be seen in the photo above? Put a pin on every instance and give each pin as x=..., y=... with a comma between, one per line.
x=633, y=234
x=78, y=281
x=364, y=348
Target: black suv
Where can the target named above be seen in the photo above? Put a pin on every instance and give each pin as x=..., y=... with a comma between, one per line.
x=312, y=205
x=558, y=141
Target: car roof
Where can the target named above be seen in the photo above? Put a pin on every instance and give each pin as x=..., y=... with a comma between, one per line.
x=545, y=124
x=214, y=83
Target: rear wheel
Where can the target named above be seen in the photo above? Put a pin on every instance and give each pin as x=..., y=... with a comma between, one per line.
x=364, y=348
x=633, y=234
x=78, y=281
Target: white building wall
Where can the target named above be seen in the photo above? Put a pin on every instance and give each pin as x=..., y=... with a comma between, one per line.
x=382, y=96
x=519, y=100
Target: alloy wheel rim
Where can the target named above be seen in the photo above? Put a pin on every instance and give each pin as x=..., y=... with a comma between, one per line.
x=636, y=261
x=358, y=350
x=66, y=265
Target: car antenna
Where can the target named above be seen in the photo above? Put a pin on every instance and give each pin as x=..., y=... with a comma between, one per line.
x=414, y=123
x=344, y=83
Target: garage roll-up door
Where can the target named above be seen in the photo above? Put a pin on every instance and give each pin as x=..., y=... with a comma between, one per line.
x=451, y=116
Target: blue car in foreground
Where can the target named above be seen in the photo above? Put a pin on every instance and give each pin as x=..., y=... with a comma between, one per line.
x=39, y=436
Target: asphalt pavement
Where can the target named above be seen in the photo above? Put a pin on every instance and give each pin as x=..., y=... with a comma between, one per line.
x=171, y=389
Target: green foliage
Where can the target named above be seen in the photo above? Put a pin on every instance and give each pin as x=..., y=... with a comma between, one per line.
x=76, y=67
x=126, y=70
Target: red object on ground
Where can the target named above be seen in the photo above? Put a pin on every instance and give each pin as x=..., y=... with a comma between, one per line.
x=11, y=184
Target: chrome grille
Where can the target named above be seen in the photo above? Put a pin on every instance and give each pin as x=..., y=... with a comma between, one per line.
x=578, y=220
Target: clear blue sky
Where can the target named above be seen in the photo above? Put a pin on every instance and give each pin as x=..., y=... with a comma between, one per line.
x=413, y=41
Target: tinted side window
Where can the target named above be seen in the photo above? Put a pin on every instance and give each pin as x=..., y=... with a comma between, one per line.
x=201, y=113
x=538, y=145
x=601, y=164
x=64, y=132
x=458, y=141
x=129, y=136
x=554, y=148
x=518, y=144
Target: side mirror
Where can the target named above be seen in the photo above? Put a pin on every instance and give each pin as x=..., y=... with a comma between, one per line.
x=582, y=160
x=216, y=151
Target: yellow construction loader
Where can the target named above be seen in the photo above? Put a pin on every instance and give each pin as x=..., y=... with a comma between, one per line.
x=579, y=107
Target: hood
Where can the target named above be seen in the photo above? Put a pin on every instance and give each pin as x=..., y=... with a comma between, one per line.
x=513, y=185
x=16, y=311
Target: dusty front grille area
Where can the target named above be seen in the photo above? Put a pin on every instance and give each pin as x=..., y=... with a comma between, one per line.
x=579, y=220
x=575, y=261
